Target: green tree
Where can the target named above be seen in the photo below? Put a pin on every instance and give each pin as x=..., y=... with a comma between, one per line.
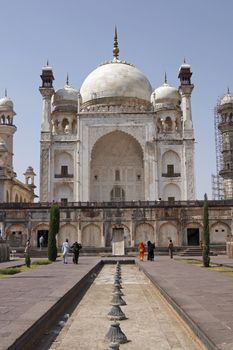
x=206, y=234
x=54, y=224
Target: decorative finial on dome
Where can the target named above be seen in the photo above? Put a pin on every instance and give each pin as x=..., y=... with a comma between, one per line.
x=47, y=63
x=115, y=50
x=184, y=60
x=5, y=92
x=228, y=90
x=165, y=78
x=67, y=79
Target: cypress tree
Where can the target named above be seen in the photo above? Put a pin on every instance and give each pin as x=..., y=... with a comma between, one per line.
x=206, y=234
x=54, y=223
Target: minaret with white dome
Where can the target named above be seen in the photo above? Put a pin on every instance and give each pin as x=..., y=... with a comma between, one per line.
x=186, y=88
x=7, y=130
x=46, y=89
x=11, y=189
x=166, y=102
x=58, y=139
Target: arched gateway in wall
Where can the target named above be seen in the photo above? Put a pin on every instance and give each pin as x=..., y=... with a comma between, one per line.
x=144, y=232
x=219, y=232
x=69, y=232
x=91, y=236
x=168, y=231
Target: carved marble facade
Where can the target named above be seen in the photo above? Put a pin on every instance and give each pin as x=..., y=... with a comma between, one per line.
x=116, y=139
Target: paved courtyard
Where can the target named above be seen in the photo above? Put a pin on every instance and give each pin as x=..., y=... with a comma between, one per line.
x=202, y=296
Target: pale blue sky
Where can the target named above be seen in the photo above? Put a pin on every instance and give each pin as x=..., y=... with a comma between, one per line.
x=78, y=35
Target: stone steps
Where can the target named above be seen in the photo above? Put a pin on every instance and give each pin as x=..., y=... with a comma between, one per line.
x=191, y=251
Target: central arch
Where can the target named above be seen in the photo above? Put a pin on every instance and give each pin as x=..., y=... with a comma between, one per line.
x=117, y=163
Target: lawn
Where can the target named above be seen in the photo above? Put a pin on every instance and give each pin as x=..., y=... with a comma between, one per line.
x=213, y=267
x=14, y=270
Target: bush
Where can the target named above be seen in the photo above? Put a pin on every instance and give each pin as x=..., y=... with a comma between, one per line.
x=54, y=224
x=41, y=262
x=10, y=271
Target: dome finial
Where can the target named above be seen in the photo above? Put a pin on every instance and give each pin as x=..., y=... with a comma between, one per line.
x=47, y=63
x=115, y=50
x=228, y=90
x=67, y=79
x=165, y=78
x=184, y=60
x=5, y=92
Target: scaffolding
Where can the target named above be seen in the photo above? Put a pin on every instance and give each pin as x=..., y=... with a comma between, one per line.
x=217, y=181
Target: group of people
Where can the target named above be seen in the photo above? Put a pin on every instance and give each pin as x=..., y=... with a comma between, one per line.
x=74, y=248
x=151, y=249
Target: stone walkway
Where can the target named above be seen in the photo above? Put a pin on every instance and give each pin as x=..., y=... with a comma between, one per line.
x=203, y=296
x=27, y=296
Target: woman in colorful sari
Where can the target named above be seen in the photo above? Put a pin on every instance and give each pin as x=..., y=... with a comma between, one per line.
x=141, y=249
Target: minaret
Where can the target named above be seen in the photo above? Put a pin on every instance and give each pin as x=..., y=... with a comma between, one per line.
x=186, y=88
x=7, y=130
x=46, y=90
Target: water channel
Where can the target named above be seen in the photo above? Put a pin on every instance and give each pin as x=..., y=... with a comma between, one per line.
x=151, y=323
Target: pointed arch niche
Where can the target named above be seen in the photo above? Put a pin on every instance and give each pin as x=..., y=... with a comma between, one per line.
x=171, y=159
x=117, y=162
x=172, y=191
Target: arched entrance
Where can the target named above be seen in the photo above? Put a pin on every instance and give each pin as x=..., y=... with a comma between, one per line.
x=44, y=234
x=39, y=230
x=117, y=168
x=193, y=236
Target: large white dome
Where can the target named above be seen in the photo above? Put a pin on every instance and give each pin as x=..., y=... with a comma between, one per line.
x=115, y=79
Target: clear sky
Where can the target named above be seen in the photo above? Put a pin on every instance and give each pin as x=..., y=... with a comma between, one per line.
x=154, y=35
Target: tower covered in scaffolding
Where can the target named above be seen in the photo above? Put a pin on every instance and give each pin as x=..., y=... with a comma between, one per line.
x=217, y=180
x=224, y=143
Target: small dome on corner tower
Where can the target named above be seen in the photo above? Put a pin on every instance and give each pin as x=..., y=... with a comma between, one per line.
x=166, y=94
x=6, y=102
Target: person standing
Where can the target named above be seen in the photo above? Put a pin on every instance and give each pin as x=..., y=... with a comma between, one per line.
x=27, y=253
x=41, y=241
x=141, y=250
x=76, y=249
x=150, y=251
x=170, y=248
x=65, y=251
